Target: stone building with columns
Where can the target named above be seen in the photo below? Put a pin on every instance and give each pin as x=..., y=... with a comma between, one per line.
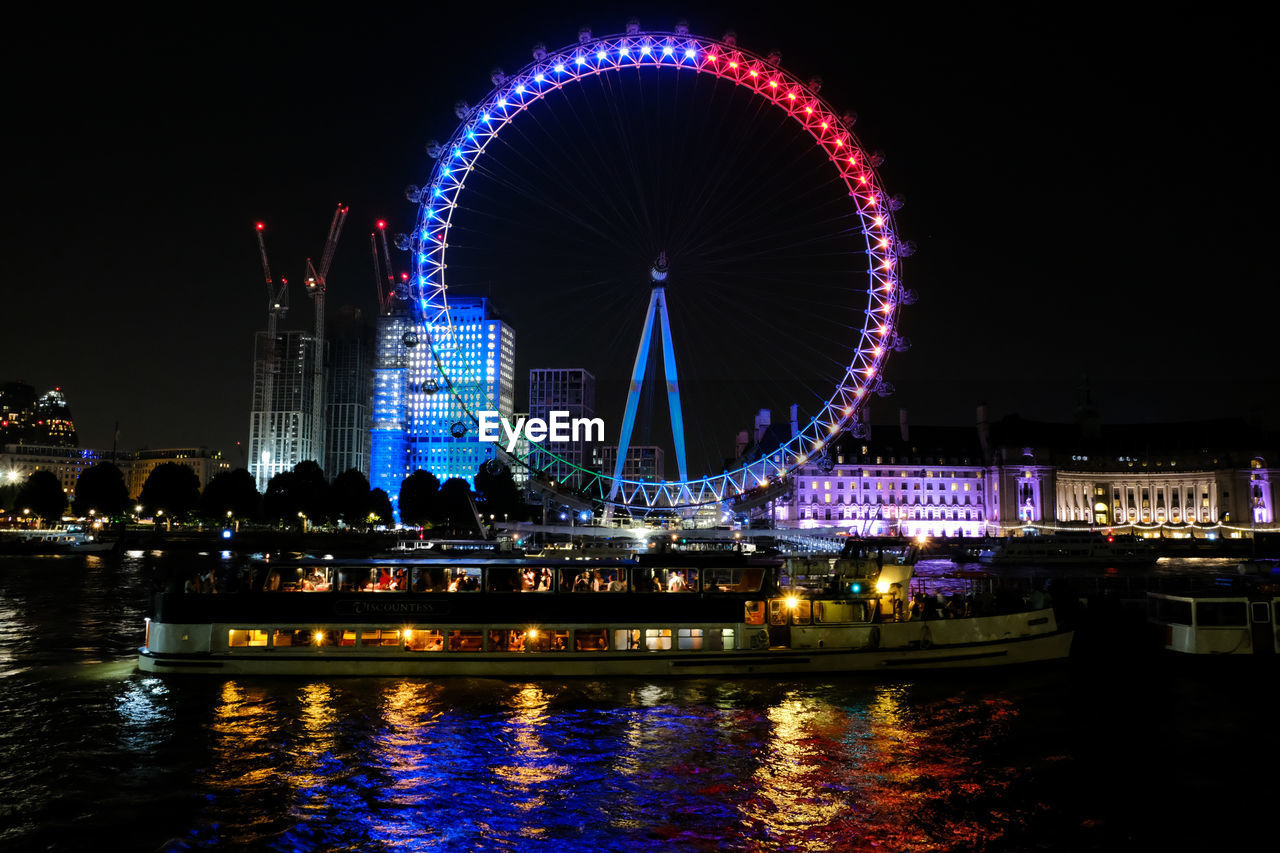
x=1213, y=478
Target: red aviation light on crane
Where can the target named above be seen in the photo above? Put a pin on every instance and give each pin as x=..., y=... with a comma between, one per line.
x=261, y=226
x=382, y=224
x=404, y=276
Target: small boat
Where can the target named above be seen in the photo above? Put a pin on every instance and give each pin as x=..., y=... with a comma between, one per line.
x=664, y=614
x=1234, y=619
x=1074, y=548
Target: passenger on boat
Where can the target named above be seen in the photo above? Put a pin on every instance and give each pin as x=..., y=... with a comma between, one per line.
x=582, y=583
x=675, y=583
x=545, y=580
x=193, y=584
x=617, y=584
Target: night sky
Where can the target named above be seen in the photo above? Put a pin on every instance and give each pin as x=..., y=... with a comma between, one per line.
x=1089, y=194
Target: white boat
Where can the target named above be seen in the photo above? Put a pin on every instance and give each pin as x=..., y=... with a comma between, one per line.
x=1224, y=621
x=1074, y=548
x=667, y=615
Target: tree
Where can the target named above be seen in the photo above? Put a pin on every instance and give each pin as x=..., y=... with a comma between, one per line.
x=234, y=492
x=499, y=491
x=9, y=496
x=281, y=500
x=351, y=498
x=101, y=489
x=456, y=507
x=42, y=494
x=419, y=496
x=171, y=487
x=312, y=491
x=380, y=506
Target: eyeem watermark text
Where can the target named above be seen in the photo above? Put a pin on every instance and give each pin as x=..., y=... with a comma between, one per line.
x=558, y=427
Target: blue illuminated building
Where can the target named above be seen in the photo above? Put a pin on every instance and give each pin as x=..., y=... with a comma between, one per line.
x=417, y=408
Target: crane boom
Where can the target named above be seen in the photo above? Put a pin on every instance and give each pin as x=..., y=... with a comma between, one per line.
x=377, y=273
x=386, y=264
x=316, y=282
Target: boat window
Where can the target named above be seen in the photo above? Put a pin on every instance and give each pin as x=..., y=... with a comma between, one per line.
x=320, y=638
x=285, y=637
x=657, y=639
x=506, y=640
x=423, y=641
x=839, y=611
x=1220, y=613
x=590, y=640
x=1261, y=613
x=778, y=612
x=755, y=613
x=380, y=638
x=306, y=579
x=346, y=638
x=729, y=638
x=431, y=579
x=462, y=580
x=689, y=639
x=380, y=579
x=679, y=580
x=733, y=580
x=647, y=580
x=1170, y=610
x=541, y=640
x=239, y=638
x=626, y=639
x=469, y=640
x=802, y=613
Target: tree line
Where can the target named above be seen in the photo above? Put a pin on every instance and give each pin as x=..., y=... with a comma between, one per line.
x=301, y=496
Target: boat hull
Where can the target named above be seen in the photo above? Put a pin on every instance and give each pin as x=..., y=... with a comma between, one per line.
x=918, y=653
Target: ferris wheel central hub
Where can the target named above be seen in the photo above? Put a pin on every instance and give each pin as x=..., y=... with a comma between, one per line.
x=658, y=272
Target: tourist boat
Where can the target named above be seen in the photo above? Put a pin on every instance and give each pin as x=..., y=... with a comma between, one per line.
x=1231, y=620
x=53, y=540
x=665, y=614
x=1074, y=548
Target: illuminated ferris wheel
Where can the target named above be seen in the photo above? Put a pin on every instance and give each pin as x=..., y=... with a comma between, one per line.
x=877, y=294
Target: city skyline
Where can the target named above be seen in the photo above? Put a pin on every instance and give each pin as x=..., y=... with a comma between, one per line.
x=1076, y=152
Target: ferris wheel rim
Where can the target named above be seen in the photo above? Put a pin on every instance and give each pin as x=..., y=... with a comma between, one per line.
x=590, y=57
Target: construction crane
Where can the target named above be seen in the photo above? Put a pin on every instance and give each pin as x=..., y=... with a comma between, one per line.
x=277, y=307
x=385, y=293
x=315, y=282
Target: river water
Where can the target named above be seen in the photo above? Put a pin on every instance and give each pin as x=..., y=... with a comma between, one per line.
x=1099, y=754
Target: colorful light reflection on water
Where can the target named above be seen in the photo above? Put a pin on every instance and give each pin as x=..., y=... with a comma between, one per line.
x=94, y=754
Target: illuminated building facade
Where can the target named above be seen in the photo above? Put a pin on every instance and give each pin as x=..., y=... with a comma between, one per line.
x=1203, y=479
x=419, y=422
x=571, y=390
x=281, y=430
x=26, y=419
x=895, y=483
x=644, y=461
x=19, y=461
x=204, y=462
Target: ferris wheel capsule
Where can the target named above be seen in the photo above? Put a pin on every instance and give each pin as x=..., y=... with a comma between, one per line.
x=877, y=158
x=849, y=118
x=402, y=242
x=633, y=26
x=434, y=149
x=774, y=58
x=410, y=338
x=539, y=51
x=815, y=84
x=430, y=387
x=584, y=34
x=682, y=27
x=461, y=109
x=458, y=430
x=413, y=193
x=497, y=77
x=494, y=468
x=897, y=201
